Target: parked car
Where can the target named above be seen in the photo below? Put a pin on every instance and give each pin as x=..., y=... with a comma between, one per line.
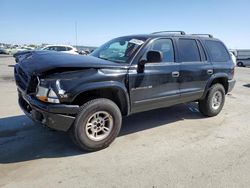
x=233, y=58
x=10, y=50
x=88, y=95
x=59, y=48
x=243, y=58
x=62, y=48
x=2, y=51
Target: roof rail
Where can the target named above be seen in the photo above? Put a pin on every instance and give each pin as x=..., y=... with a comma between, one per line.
x=181, y=32
x=209, y=35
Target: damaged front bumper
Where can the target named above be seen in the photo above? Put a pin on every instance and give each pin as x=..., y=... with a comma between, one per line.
x=56, y=116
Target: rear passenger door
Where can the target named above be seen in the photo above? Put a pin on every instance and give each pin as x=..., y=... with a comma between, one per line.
x=195, y=69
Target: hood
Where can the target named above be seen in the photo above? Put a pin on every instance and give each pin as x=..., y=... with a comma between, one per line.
x=39, y=62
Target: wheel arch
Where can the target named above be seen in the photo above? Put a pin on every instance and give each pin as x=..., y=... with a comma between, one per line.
x=116, y=92
x=219, y=78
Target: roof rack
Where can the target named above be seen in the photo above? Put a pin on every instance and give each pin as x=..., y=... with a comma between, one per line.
x=209, y=35
x=158, y=32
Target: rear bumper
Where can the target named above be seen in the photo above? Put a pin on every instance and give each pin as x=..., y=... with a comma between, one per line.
x=231, y=84
x=56, y=116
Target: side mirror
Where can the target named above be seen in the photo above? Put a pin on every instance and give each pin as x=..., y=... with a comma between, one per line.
x=141, y=65
x=152, y=57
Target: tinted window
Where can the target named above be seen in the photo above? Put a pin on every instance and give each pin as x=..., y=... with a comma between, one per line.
x=217, y=51
x=68, y=48
x=202, y=52
x=60, y=48
x=165, y=46
x=50, y=48
x=188, y=50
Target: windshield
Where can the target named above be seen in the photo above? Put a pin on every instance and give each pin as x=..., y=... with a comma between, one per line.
x=119, y=50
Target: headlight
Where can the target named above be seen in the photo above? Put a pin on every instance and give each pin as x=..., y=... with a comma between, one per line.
x=46, y=95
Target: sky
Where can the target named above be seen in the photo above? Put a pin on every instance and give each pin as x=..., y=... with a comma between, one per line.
x=54, y=21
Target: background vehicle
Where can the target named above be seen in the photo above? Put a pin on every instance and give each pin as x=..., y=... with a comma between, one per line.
x=2, y=51
x=233, y=58
x=243, y=58
x=62, y=48
x=20, y=55
x=88, y=95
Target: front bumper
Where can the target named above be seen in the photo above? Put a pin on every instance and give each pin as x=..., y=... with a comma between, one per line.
x=56, y=116
x=231, y=84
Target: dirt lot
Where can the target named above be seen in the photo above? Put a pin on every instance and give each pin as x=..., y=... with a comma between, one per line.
x=172, y=147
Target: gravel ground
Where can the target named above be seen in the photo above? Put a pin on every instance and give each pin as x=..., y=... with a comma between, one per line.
x=172, y=147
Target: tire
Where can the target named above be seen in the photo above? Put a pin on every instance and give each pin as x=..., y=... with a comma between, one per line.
x=240, y=64
x=101, y=115
x=214, y=101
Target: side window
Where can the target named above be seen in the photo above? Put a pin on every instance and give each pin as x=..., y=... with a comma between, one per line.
x=60, y=48
x=202, y=52
x=49, y=48
x=217, y=51
x=165, y=46
x=68, y=48
x=188, y=50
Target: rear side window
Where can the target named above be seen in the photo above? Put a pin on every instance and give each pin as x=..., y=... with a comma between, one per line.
x=68, y=48
x=217, y=51
x=188, y=50
x=60, y=48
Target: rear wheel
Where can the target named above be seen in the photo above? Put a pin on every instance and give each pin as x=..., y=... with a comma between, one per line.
x=214, y=101
x=240, y=64
x=97, y=124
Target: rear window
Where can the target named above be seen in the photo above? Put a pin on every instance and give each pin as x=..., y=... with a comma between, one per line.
x=217, y=51
x=189, y=51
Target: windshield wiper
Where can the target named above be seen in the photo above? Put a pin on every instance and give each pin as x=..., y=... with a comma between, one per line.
x=109, y=59
x=103, y=58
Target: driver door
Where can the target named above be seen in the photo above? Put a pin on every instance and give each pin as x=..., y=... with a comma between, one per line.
x=157, y=86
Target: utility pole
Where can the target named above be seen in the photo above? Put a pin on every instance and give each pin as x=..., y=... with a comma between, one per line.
x=76, y=32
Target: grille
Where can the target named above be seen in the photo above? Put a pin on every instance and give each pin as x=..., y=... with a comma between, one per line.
x=22, y=79
x=32, y=84
x=23, y=75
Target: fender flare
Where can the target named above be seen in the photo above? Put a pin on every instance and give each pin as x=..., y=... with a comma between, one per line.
x=211, y=79
x=104, y=85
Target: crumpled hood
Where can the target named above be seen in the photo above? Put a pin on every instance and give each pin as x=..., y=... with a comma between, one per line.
x=39, y=62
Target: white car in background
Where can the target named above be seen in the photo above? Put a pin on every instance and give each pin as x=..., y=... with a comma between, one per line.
x=58, y=48
x=233, y=58
x=61, y=48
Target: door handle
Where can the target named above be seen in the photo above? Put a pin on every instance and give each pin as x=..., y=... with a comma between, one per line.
x=210, y=71
x=175, y=74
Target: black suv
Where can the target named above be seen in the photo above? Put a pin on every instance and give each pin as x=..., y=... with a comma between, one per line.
x=88, y=95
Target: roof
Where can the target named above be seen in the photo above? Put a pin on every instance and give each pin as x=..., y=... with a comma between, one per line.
x=158, y=35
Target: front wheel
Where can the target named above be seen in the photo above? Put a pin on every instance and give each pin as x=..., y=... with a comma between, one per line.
x=97, y=124
x=214, y=101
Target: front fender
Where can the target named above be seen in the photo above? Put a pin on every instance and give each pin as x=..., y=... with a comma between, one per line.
x=102, y=85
